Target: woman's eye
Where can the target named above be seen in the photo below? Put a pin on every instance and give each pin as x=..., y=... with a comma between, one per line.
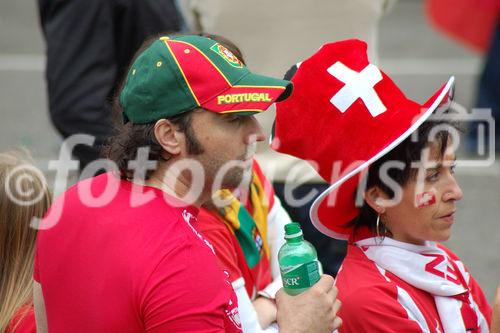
x=453, y=169
x=433, y=176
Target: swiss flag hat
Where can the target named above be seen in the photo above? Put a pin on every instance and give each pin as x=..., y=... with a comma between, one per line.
x=344, y=114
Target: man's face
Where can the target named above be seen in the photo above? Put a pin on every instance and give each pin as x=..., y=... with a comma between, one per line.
x=228, y=146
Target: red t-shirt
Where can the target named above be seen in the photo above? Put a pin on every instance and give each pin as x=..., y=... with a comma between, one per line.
x=129, y=261
x=23, y=321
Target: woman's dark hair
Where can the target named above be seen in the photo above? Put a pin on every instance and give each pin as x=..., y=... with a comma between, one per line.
x=406, y=153
x=124, y=145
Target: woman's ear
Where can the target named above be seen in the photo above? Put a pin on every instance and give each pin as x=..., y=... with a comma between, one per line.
x=167, y=136
x=375, y=198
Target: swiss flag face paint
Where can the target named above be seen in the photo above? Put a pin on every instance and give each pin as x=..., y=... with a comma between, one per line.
x=425, y=199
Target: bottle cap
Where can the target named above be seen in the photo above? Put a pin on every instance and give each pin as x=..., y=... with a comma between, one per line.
x=292, y=230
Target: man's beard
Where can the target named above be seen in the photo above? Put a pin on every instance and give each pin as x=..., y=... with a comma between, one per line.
x=238, y=177
x=224, y=174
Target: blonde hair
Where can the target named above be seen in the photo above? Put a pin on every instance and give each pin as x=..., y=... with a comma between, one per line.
x=23, y=196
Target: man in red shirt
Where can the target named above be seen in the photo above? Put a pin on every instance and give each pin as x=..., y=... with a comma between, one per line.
x=121, y=252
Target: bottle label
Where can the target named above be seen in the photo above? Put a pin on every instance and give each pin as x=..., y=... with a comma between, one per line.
x=300, y=276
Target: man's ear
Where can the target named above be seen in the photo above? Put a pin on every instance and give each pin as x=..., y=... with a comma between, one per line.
x=167, y=136
x=375, y=198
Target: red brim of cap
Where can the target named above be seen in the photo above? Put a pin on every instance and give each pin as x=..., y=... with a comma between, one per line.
x=336, y=207
x=252, y=94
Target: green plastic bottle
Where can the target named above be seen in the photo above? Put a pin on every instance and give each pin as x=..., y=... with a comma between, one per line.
x=298, y=261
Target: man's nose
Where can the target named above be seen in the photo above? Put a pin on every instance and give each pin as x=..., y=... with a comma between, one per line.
x=255, y=133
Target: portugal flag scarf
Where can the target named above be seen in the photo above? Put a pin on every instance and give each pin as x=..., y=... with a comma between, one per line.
x=250, y=229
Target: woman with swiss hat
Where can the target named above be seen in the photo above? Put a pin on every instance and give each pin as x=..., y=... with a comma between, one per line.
x=393, y=195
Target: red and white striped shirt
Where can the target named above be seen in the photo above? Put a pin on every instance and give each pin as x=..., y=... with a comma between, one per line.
x=376, y=300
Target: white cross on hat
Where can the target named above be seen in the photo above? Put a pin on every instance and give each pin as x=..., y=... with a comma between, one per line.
x=357, y=85
x=351, y=114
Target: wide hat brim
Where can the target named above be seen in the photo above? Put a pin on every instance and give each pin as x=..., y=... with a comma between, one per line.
x=336, y=206
x=345, y=113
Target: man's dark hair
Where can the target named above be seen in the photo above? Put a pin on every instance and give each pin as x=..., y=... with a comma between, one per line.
x=124, y=145
x=407, y=152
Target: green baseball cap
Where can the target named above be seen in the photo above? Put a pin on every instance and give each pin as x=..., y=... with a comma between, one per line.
x=177, y=74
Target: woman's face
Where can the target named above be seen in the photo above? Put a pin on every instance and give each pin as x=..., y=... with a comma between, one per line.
x=427, y=208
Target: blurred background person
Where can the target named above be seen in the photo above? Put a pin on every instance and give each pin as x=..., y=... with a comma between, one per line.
x=488, y=95
x=89, y=44
x=475, y=24
x=23, y=195
x=269, y=48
